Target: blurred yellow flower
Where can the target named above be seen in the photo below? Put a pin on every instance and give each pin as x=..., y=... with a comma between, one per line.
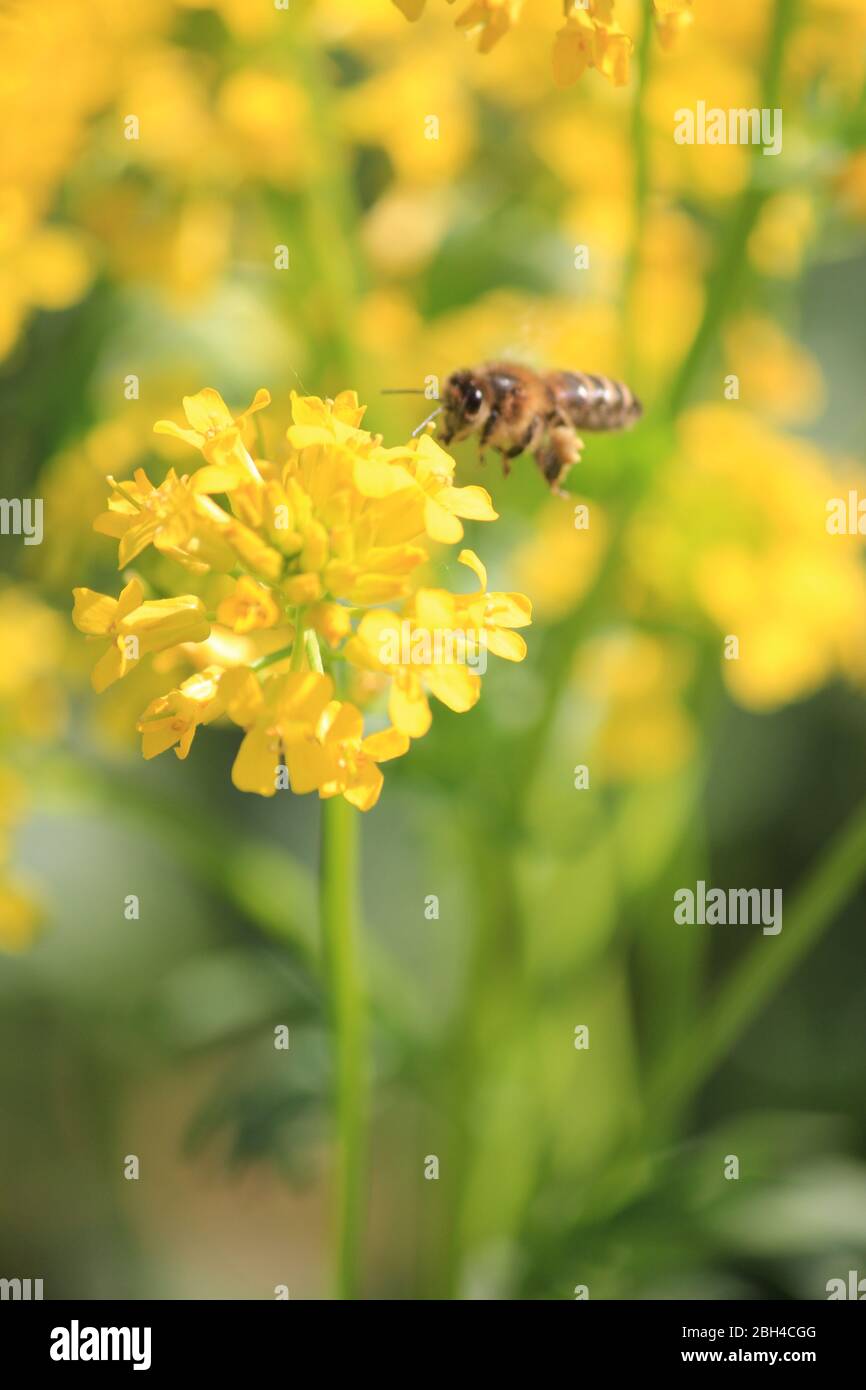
x=560, y=560
x=635, y=684
x=737, y=531
x=774, y=373
x=20, y=917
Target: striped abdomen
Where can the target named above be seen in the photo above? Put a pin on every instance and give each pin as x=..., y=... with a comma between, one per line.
x=594, y=402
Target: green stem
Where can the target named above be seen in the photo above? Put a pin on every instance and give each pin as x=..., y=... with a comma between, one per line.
x=731, y=263
x=826, y=890
x=314, y=655
x=339, y=869
x=641, y=184
x=272, y=658
x=299, y=645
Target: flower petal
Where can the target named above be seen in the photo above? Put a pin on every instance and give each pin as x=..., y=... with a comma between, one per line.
x=468, y=557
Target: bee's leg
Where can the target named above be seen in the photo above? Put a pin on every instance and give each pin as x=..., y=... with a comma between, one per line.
x=489, y=426
x=529, y=441
x=561, y=451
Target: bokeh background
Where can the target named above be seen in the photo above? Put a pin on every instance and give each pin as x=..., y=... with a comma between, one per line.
x=411, y=256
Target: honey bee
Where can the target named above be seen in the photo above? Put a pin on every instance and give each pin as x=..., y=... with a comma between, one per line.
x=516, y=410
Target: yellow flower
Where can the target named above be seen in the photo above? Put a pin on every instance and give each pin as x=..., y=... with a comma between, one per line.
x=495, y=615
x=252, y=605
x=492, y=19
x=281, y=719
x=135, y=627
x=737, y=532
x=444, y=503
x=140, y=515
x=19, y=917
x=213, y=428
x=352, y=760
x=636, y=687
x=412, y=9
x=340, y=525
x=180, y=520
x=573, y=49
x=404, y=650
x=558, y=562
x=32, y=703
x=591, y=37
x=673, y=18
x=170, y=721
x=326, y=422
x=330, y=620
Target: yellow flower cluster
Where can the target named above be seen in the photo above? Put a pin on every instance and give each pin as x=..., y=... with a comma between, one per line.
x=736, y=534
x=32, y=709
x=314, y=547
x=590, y=38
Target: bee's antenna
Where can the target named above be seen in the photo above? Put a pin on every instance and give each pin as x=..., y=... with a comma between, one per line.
x=402, y=391
x=425, y=423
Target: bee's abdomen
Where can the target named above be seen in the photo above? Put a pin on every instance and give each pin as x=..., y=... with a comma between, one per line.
x=594, y=402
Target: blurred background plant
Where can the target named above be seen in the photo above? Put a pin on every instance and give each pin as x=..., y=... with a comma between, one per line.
x=135, y=270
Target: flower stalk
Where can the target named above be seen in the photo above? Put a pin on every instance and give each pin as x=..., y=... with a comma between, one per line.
x=339, y=922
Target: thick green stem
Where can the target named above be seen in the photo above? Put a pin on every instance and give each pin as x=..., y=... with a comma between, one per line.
x=339, y=892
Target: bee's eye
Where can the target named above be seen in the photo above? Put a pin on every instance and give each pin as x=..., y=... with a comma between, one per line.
x=474, y=399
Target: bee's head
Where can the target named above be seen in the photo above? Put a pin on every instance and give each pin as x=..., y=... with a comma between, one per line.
x=465, y=405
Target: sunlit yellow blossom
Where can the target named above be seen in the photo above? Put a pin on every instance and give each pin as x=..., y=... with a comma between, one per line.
x=352, y=760
x=252, y=605
x=182, y=521
x=281, y=719
x=170, y=721
x=495, y=615
x=214, y=429
x=433, y=471
x=332, y=621
x=134, y=626
x=341, y=524
x=404, y=650
x=140, y=515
